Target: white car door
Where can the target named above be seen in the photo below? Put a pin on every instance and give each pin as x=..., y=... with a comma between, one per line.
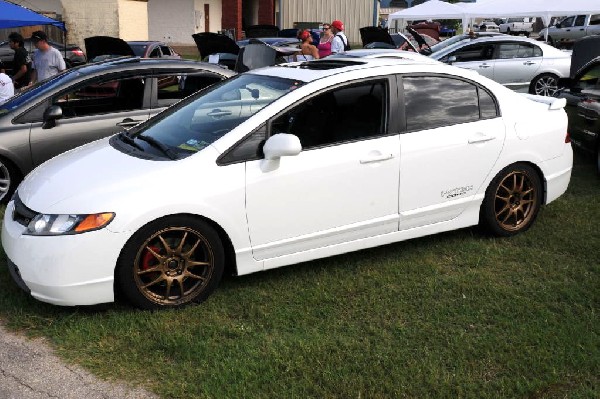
x=452, y=140
x=343, y=186
x=517, y=64
x=477, y=57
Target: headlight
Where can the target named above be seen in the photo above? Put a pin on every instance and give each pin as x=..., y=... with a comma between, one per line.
x=53, y=225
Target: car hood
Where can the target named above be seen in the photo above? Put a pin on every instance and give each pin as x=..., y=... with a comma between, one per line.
x=106, y=45
x=88, y=178
x=584, y=51
x=370, y=34
x=212, y=43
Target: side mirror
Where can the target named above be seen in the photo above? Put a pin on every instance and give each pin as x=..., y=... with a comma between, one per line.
x=451, y=59
x=51, y=114
x=281, y=145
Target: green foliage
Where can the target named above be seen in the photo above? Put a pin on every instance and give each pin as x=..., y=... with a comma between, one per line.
x=452, y=315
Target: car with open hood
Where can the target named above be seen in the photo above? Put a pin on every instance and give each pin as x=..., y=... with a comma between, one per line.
x=582, y=92
x=103, y=47
x=282, y=165
x=87, y=103
x=221, y=49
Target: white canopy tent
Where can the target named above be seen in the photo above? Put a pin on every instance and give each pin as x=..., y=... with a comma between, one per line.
x=545, y=9
x=434, y=9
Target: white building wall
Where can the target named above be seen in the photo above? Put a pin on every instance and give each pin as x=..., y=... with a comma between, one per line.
x=83, y=19
x=133, y=20
x=215, y=16
x=172, y=21
x=355, y=14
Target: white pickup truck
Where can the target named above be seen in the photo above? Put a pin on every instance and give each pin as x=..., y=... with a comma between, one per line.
x=571, y=28
x=517, y=26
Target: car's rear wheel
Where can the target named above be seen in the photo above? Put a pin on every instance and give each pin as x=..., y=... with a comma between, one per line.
x=545, y=84
x=9, y=179
x=171, y=263
x=512, y=201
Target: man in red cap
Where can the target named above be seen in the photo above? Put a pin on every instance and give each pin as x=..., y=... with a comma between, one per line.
x=340, y=41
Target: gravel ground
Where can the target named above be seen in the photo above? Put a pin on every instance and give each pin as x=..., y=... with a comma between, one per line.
x=29, y=369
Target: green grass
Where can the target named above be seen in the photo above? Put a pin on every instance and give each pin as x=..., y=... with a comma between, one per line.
x=455, y=315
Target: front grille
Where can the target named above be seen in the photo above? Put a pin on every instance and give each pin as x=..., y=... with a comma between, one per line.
x=22, y=214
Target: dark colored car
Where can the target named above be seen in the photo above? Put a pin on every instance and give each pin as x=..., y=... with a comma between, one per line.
x=153, y=49
x=74, y=55
x=90, y=102
x=374, y=37
x=582, y=93
x=223, y=50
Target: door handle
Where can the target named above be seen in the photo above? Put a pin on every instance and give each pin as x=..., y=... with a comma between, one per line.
x=215, y=113
x=377, y=158
x=480, y=138
x=484, y=66
x=128, y=122
x=528, y=63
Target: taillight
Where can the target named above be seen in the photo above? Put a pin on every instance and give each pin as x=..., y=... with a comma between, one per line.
x=78, y=53
x=568, y=138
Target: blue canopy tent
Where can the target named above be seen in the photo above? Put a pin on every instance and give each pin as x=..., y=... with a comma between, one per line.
x=13, y=15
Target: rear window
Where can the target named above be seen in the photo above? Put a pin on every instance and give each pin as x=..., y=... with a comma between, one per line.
x=139, y=49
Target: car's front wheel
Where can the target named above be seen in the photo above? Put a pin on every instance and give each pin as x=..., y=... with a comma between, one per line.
x=512, y=201
x=170, y=263
x=545, y=84
x=9, y=179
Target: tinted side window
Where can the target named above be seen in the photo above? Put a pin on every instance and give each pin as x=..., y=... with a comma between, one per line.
x=433, y=101
x=248, y=149
x=102, y=97
x=487, y=104
x=475, y=52
x=580, y=20
x=349, y=113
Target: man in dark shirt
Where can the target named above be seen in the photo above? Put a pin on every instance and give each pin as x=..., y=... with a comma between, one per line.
x=21, y=61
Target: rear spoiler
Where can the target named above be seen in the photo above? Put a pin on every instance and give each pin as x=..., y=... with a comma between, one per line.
x=553, y=103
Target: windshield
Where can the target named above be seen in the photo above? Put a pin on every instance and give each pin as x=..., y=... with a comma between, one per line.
x=199, y=121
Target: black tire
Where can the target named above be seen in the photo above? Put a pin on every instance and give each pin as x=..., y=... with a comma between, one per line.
x=508, y=32
x=545, y=84
x=9, y=180
x=550, y=41
x=512, y=201
x=170, y=263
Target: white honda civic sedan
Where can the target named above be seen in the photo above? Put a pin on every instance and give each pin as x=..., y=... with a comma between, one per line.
x=283, y=165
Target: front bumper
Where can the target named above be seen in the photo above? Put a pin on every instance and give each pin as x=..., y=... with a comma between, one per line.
x=63, y=270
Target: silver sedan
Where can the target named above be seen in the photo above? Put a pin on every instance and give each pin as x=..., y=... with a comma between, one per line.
x=516, y=62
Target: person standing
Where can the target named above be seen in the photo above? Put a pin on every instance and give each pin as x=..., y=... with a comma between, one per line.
x=47, y=61
x=325, y=41
x=307, y=50
x=21, y=61
x=340, y=41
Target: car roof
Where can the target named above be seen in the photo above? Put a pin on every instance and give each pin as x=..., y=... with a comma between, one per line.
x=501, y=38
x=309, y=71
x=386, y=53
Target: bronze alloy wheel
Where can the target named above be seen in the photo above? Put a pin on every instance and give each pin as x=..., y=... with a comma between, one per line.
x=173, y=266
x=171, y=262
x=512, y=201
x=516, y=201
